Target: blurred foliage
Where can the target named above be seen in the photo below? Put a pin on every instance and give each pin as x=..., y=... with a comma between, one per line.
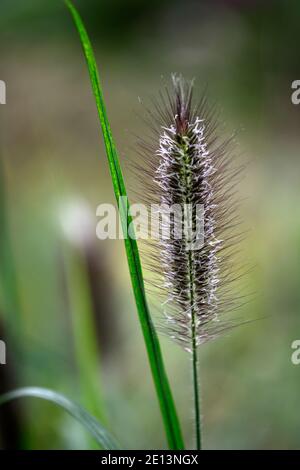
x=245, y=51
x=116, y=22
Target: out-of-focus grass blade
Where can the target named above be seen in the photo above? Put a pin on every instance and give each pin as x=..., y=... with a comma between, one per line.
x=163, y=390
x=101, y=435
x=9, y=295
x=85, y=341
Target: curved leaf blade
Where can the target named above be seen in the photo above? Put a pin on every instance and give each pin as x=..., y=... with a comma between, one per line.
x=163, y=390
x=100, y=434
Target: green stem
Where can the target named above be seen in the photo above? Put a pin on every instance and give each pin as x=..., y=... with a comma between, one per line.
x=194, y=358
x=188, y=199
x=196, y=388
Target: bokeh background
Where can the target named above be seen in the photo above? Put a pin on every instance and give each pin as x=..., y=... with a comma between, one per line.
x=67, y=312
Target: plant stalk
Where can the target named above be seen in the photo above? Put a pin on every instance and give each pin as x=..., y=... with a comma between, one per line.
x=196, y=392
x=186, y=177
x=195, y=360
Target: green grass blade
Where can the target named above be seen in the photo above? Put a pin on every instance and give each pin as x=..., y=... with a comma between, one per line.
x=9, y=292
x=83, y=329
x=163, y=390
x=101, y=435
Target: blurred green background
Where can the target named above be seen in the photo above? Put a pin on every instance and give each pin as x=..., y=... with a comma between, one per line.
x=56, y=277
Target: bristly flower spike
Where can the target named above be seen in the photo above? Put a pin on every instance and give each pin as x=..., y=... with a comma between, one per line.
x=187, y=164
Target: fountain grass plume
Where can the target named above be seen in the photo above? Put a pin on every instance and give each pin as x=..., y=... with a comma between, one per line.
x=187, y=163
